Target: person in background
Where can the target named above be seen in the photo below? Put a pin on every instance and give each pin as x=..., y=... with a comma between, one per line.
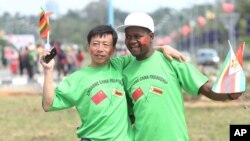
x=14, y=62
x=80, y=58
x=22, y=52
x=71, y=59
x=61, y=61
x=96, y=90
x=154, y=84
x=28, y=59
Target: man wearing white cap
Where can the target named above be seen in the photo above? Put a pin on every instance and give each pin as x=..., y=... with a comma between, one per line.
x=154, y=85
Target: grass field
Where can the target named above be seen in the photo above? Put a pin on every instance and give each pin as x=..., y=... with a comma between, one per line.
x=212, y=123
x=22, y=119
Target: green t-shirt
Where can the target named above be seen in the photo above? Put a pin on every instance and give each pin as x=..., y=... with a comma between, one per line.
x=155, y=88
x=99, y=97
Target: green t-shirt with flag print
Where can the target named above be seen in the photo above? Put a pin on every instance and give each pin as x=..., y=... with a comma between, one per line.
x=155, y=87
x=98, y=95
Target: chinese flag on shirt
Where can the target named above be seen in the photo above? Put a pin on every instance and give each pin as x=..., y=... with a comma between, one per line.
x=99, y=97
x=137, y=94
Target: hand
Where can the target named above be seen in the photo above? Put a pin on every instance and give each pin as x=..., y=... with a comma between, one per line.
x=206, y=90
x=234, y=96
x=46, y=66
x=171, y=53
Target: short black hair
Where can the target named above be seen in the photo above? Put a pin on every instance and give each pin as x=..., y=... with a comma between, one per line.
x=102, y=30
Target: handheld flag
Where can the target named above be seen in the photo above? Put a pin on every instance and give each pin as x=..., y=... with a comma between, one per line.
x=43, y=24
x=240, y=53
x=231, y=78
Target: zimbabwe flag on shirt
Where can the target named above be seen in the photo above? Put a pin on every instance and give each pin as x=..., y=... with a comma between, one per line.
x=117, y=92
x=156, y=90
x=99, y=97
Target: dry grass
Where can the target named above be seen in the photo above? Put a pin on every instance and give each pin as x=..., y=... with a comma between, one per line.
x=23, y=119
x=212, y=123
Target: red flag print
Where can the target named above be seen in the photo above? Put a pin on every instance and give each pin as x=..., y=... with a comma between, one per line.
x=144, y=42
x=116, y=92
x=98, y=97
x=137, y=94
x=156, y=90
x=239, y=53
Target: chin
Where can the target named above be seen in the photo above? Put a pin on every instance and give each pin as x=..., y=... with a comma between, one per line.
x=136, y=54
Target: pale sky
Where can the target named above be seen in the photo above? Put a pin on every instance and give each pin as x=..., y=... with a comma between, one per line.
x=32, y=7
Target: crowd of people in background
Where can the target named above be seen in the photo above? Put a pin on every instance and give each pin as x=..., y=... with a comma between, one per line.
x=25, y=61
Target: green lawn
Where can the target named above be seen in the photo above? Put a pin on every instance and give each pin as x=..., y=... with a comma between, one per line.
x=22, y=119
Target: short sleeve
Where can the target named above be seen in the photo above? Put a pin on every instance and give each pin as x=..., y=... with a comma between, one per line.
x=122, y=61
x=190, y=78
x=62, y=98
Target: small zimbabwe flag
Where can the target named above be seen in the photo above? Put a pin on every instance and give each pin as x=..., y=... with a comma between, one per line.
x=232, y=78
x=117, y=92
x=137, y=94
x=99, y=97
x=156, y=90
x=44, y=26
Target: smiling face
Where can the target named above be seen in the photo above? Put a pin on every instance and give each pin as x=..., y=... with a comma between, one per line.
x=100, y=49
x=139, y=42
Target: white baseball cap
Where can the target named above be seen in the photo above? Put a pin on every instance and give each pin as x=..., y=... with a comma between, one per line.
x=137, y=19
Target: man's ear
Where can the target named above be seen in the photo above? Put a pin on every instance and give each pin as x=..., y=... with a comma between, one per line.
x=112, y=51
x=152, y=35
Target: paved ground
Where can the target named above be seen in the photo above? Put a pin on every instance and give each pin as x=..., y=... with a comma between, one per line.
x=11, y=84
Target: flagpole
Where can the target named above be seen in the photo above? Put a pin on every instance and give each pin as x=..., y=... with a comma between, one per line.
x=48, y=31
x=230, y=44
x=47, y=46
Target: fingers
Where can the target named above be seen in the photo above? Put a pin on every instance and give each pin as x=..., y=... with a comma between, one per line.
x=179, y=56
x=176, y=54
x=42, y=62
x=42, y=56
x=171, y=53
x=169, y=57
x=234, y=96
x=182, y=58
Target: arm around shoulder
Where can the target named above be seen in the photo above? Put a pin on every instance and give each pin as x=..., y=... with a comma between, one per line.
x=171, y=52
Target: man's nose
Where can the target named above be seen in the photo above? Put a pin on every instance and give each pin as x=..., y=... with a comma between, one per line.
x=133, y=41
x=100, y=47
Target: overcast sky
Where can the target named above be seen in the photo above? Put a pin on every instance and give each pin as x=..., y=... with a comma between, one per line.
x=32, y=7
